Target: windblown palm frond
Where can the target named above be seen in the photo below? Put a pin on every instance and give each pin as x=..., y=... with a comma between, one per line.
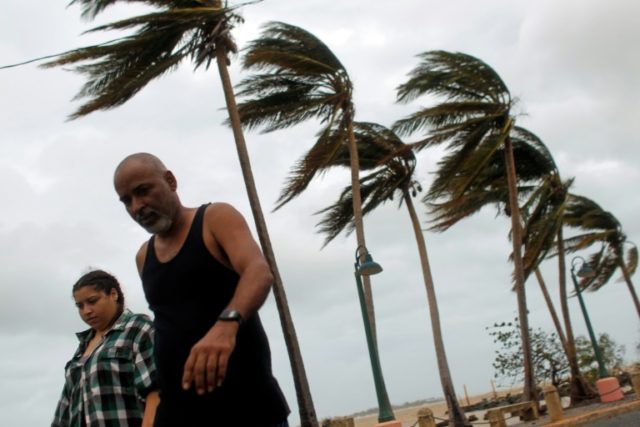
x=583, y=213
x=374, y=142
x=91, y=8
x=471, y=120
x=297, y=78
x=454, y=76
x=376, y=188
x=119, y=69
x=543, y=218
x=330, y=151
x=533, y=163
x=601, y=227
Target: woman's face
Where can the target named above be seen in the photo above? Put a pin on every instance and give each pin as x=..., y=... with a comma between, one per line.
x=97, y=308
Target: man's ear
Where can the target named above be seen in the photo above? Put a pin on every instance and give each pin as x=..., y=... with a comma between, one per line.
x=171, y=180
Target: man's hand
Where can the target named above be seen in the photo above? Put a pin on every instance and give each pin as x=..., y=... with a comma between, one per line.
x=206, y=365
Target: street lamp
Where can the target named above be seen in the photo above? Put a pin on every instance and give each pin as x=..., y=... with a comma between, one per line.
x=587, y=272
x=367, y=268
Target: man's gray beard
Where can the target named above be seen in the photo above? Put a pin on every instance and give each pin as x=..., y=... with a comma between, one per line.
x=161, y=225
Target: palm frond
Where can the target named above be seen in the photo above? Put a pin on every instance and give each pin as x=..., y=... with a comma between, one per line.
x=91, y=8
x=454, y=76
x=278, y=101
x=117, y=70
x=328, y=151
x=585, y=214
x=604, y=264
x=631, y=262
x=448, y=116
x=374, y=142
x=283, y=47
x=376, y=188
x=296, y=78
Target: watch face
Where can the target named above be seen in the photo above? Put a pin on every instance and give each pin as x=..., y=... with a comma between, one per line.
x=230, y=315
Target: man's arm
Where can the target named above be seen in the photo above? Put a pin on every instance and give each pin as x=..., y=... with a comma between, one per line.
x=140, y=255
x=228, y=238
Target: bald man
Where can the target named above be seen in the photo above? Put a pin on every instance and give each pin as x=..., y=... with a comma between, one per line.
x=204, y=278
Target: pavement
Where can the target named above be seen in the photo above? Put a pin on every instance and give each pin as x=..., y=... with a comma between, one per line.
x=625, y=412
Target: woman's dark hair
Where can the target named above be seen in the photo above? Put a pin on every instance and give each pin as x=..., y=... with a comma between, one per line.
x=101, y=281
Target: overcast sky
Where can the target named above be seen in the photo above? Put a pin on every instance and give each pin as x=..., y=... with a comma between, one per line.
x=573, y=65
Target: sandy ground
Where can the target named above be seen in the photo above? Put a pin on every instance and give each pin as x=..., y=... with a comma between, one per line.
x=409, y=416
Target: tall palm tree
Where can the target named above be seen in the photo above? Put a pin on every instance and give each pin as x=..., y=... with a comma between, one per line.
x=475, y=119
x=198, y=31
x=543, y=193
x=394, y=178
x=546, y=208
x=296, y=78
x=601, y=226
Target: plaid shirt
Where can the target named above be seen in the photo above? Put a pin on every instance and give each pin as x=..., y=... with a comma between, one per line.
x=107, y=388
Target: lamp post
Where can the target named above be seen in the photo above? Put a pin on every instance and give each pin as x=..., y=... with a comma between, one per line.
x=588, y=273
x=367, y=268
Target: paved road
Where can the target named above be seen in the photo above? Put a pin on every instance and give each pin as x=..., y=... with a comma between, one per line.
x=629, y=419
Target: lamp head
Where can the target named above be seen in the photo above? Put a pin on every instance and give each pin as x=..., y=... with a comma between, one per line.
x=586, y=272
x=369, y=266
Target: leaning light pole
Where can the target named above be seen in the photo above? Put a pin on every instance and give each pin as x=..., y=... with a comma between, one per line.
x=608, y=387
x=366, y=268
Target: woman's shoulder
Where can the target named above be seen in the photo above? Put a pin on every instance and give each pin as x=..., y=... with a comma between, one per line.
x=139, y=320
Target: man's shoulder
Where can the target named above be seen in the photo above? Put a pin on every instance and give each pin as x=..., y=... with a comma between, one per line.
x=219, y=207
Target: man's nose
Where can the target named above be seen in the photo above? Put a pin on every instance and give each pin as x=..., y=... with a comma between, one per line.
x=136, y=206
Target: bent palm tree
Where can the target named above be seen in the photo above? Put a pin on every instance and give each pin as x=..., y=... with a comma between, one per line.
x=542, y=217
x=376, y=143
x=546, y=208
x=298, y=78
x=475, y=119
x=117, y=70
x=602, y=227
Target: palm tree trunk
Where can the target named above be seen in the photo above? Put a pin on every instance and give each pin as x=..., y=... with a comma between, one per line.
x=627, y=279
x=551, y=308
x=457, y=417
x=305, y=402
x=357, y=218
x=529, y=392
x=580, y=389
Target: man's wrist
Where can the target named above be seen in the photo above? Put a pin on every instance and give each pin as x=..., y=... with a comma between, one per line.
x=231, y=315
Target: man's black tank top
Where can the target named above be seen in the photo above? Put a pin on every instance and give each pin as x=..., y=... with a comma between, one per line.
x=186, y=295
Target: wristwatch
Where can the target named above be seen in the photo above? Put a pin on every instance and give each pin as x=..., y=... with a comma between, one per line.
x=231, y=315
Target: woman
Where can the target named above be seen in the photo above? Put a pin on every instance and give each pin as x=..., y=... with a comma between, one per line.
x=111, y=379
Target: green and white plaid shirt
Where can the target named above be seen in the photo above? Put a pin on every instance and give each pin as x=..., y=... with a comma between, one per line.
x=107, y=388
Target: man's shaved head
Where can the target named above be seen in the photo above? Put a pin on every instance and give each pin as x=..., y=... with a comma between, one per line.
x=145, y=159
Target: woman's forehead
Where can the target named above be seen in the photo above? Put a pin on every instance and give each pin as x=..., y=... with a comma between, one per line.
x=86, y=291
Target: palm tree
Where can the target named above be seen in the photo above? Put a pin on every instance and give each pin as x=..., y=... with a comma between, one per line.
x=394, y=177
x=602, y=227
x=538, y=178
x=476, y=120
x=546, y=208
x=297, y=77
x=180, y=30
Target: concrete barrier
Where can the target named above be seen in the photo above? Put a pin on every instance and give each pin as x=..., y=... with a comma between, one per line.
x=554, y=406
